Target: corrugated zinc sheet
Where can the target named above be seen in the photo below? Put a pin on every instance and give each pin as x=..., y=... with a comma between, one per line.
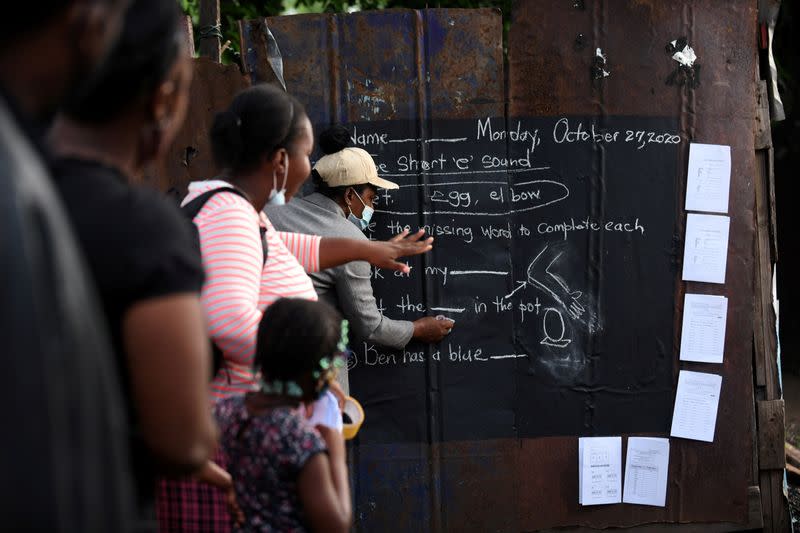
x=420, y=65
x=552, y=51
x=412, y=66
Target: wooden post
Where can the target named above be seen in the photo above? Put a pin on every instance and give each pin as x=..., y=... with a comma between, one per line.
x=769, y=405
x=209, y=45
x=187, y=26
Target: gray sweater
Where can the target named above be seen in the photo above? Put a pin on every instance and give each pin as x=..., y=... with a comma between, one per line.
x=347, y=287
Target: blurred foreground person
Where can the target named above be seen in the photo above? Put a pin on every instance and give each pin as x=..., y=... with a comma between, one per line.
x=64, y=459
x=139, y=247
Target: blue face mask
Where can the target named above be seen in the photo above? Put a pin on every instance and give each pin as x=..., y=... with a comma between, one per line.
x=363, y=222
x=278, y=196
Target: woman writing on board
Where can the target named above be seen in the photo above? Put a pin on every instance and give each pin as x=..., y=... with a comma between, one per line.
x=347, y=182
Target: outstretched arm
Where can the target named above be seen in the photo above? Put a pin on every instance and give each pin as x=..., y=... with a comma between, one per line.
x=383, y=254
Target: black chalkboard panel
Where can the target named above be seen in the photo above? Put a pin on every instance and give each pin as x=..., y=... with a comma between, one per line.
x=554, y=253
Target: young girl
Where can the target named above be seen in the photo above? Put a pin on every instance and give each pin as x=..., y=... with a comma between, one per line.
x=288, y=475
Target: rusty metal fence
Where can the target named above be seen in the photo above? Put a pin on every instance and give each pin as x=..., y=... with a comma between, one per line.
x=420, y=67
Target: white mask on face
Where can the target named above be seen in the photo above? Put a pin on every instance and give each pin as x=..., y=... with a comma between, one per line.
x=278, y=196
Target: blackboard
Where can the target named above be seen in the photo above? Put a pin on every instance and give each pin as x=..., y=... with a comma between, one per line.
x=555, y=253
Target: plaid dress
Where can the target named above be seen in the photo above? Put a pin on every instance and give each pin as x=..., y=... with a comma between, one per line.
x=188, y=506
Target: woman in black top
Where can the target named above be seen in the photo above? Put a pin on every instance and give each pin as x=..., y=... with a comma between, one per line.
x=139, y=247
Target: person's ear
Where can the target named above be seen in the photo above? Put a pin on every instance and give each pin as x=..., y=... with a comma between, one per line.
x=280, y=161
x=348, y=196
x=171, y=99
x=163, y=102
x=162, y=121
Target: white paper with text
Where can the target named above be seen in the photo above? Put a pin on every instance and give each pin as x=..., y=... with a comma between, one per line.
x=646, y=471
x=703, y=332
x=696, y=405
x=705, y=255
x=599, y=470
x=708, y=180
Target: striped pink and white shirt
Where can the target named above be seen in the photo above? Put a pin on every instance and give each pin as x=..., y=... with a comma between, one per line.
x=239, y=286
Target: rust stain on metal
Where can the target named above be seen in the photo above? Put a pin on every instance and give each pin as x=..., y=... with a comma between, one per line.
x=371, y=72
x=470, y=84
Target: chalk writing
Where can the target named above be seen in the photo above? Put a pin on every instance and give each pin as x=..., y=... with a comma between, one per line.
x=554, y=335
x=453, y=198
x=566, y=132
x=366, y=140
x=588, y=224
x=408, y=162
x=406, y=306
x=546, y=232
x=486, y=130
x=449, y=353
x=532, y=218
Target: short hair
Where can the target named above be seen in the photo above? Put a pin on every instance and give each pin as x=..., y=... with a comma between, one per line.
x=332, y=140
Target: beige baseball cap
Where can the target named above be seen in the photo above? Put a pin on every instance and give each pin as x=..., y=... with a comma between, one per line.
x=351, y=166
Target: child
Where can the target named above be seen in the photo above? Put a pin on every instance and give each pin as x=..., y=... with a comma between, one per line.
x=284, y=479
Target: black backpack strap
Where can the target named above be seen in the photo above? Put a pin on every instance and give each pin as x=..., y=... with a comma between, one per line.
x=191, y=210
x=264, y=245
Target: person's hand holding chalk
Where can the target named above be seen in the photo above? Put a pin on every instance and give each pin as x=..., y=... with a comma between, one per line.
x=432, y=329
x=452, y=322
